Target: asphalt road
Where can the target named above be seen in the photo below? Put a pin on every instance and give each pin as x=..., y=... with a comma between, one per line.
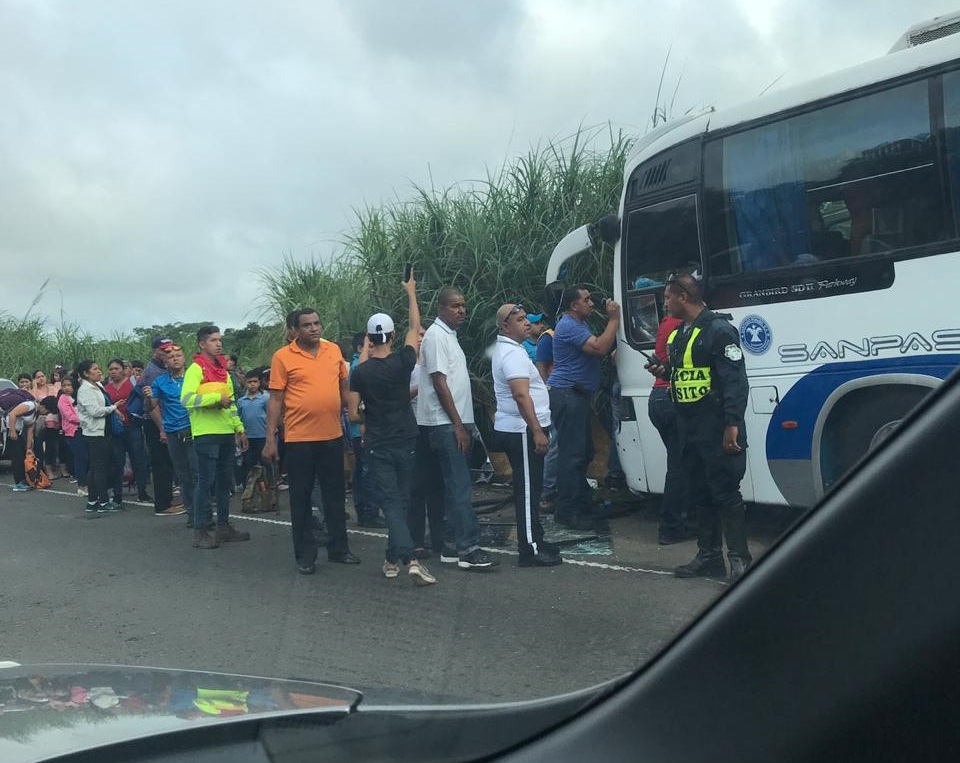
x=130, y=589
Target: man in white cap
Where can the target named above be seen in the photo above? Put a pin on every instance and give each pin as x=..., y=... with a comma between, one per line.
x=381, y=383
x=522, y=424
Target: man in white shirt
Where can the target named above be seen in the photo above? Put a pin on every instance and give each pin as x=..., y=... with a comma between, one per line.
x=445, y=417
x=522, y=424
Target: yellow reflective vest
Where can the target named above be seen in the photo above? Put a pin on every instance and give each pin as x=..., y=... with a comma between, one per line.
x=690, y=383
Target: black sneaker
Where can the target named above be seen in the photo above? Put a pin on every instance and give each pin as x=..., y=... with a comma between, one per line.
x=478, y=559
x=307, y=569
x=702, y=566
x=542, y=559
x=449, y=555
x=374, y=523
x=91, y=508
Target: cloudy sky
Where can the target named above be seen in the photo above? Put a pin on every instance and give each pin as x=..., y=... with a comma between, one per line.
x=154, y=155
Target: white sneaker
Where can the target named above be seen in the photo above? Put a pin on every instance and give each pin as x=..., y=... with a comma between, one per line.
x=81, y=491
x=390, y=570
x=419, y=573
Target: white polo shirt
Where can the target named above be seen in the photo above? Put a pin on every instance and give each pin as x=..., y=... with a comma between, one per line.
x=440, y=351
x=511, y=361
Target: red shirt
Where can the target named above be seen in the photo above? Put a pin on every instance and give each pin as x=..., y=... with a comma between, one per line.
x=120, y=393
x=667, y=326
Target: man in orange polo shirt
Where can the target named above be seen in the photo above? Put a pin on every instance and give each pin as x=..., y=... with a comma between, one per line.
x=308, y=386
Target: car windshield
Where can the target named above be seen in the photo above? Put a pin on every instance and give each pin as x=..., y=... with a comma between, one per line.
x=283, y=393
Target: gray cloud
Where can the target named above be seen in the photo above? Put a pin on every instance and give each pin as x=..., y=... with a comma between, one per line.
x=154, y=155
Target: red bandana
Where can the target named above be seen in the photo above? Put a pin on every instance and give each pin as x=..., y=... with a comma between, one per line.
x=214, y=370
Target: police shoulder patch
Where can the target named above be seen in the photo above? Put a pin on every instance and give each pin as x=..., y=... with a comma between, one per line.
x=732, y=352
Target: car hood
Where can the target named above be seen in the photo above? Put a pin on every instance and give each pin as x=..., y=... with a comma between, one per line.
x=49, y=710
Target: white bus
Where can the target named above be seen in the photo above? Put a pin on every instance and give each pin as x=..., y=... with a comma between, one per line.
x=825, y=219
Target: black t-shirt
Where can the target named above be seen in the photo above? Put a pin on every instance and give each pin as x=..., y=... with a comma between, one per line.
x=384, y=387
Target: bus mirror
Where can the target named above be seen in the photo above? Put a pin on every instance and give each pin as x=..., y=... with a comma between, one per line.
x=551, y=298
x=606, y=229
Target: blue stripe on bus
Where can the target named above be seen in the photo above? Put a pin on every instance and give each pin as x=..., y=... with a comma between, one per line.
x=807, y=397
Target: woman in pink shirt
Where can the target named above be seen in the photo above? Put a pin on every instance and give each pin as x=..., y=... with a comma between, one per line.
x=70, y=421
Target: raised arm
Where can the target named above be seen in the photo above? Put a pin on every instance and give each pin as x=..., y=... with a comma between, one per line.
x=413, y=332
x=599, y=346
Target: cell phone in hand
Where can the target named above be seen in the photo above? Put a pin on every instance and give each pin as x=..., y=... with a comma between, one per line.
x=407, y=271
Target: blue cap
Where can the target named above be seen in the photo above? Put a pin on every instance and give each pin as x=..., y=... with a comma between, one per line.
x=534, y=317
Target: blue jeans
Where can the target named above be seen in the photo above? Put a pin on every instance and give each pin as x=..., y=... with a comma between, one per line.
x=391, y=471
x=550, y=462
x=457, y=486
x=214, y=467
x=78, y=449
x=571, y=415
x=364, y=493
x=129, y=443
x=673, y=507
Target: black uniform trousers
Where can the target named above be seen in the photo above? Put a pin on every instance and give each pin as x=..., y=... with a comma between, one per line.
x=715, y=477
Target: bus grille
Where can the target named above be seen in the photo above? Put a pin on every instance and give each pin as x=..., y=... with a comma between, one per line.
x=927, y=35
x=655, y=175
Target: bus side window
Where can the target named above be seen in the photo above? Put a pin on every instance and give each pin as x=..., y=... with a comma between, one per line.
x=951, y=119
x=853, y=178
x=661, y=238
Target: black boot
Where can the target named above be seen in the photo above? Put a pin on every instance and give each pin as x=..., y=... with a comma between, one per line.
x=734, y=520
x=709, y=558
x=703, y=565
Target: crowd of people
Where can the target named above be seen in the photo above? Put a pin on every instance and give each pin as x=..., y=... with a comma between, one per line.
x=406, y=409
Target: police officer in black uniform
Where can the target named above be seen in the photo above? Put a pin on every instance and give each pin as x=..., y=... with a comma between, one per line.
x=708, y=381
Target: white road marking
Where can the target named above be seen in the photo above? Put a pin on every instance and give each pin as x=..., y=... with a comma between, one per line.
x=369, y=534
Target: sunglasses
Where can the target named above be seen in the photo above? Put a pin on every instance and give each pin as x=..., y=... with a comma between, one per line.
x=513, y=311
x=674, y=280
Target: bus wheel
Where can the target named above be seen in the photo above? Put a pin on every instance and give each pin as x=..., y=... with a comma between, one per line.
x=860, y=422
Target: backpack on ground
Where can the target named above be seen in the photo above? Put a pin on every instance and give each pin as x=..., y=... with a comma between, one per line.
x=34, y=474
x=258, y=494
